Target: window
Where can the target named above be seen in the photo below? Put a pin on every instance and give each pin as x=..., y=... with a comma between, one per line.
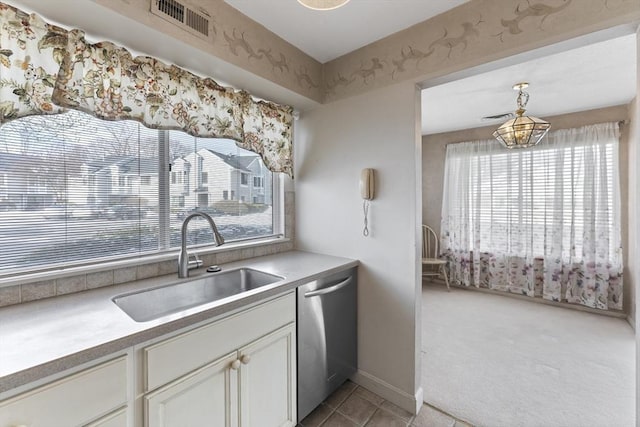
x=78, y=189
x=543, y=221
x=257, y=182
x=225, y=195
x=177, y=201
x=244, y=179
x=522, y=193
x=204, y=179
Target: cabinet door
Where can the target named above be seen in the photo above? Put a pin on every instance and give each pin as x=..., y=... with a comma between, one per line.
x=268, y=380
x=202, y=398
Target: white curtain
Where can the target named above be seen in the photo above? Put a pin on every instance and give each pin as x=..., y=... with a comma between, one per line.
x=542, y=222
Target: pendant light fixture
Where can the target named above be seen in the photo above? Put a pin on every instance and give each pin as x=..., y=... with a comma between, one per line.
x=523, y=131
x=323, y=4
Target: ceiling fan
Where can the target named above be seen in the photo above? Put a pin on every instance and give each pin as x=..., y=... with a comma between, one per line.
x=503, y=116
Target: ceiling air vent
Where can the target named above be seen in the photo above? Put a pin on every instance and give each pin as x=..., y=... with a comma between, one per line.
x=181, y=14
x=197, y=22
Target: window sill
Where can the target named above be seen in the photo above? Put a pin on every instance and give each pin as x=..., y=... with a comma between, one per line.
x=59, y=273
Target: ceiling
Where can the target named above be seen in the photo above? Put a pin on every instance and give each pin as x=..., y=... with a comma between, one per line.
x=326, y=35
x=594, y=76
x=597, y=75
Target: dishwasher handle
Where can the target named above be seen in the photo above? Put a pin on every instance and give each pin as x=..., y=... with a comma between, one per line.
x=328, y=290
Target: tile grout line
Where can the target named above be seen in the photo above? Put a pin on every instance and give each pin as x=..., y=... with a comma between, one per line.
x=334, y=410
x=377, y=406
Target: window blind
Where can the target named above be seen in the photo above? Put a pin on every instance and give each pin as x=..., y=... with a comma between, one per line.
x=524, y=192
x=75, y=189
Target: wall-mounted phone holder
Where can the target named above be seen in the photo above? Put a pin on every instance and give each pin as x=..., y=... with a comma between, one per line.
x=367, y=192
x=367, y=184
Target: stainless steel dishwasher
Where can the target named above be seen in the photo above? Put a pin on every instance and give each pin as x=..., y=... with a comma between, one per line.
x=327, y=337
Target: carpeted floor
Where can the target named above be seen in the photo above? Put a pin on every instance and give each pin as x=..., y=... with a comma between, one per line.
x=497, y=361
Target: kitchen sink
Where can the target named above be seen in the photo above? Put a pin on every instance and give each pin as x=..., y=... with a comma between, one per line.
x=153, y=303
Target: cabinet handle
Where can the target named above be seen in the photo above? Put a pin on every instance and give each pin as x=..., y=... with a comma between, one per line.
x=245, y=359
x=235, y=365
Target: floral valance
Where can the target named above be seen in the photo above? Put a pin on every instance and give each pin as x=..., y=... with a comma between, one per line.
x=30, y=54
x=45, y=69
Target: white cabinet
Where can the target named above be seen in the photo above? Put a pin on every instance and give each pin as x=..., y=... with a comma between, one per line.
x=75, y=400
x=203, y=398
x=237, y=372
x=268, y=380
x=251, y=387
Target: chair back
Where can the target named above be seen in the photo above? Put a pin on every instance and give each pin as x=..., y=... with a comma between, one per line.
x=429, y=242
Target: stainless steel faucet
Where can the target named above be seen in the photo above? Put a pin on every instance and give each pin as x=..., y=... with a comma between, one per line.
x=184, y=265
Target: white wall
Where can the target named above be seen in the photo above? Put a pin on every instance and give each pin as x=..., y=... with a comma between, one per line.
x=381, y=133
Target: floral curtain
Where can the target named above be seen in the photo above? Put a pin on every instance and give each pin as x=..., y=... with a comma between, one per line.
x=105, y=80
x=30, y=54
x=542, y=222
x=46, y=69
x=266, y=133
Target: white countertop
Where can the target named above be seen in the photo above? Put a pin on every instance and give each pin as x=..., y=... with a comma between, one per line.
x=45, y=337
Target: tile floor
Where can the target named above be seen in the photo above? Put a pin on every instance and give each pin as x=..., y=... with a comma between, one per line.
x=352, y=405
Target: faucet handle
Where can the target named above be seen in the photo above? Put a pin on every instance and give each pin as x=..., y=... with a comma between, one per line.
x=195, y=263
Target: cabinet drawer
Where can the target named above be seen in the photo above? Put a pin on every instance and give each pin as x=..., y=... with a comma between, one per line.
x=71, y=401
x=184, y=353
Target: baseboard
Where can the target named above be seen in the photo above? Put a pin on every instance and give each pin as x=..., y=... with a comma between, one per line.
x=389, y=392
x=537, y=300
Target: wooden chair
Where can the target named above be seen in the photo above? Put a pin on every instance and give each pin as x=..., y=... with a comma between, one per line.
x=430, y=256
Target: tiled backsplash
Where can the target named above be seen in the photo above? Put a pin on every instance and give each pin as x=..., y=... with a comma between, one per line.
x=26, y=292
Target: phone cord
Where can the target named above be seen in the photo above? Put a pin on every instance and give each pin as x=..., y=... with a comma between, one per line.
x=365, y=208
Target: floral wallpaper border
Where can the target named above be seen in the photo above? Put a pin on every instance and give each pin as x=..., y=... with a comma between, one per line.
x=454, y=40
x=238, y=39
x=466, y=36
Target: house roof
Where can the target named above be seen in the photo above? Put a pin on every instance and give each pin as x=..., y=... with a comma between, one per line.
x=94, y=166
x=126, y=165
x=141, y=166
x=12, y=161
x=236, y=162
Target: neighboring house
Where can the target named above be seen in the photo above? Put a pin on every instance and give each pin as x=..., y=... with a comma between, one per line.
x=204, y=177
x=24, y=186
x=119, y=179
